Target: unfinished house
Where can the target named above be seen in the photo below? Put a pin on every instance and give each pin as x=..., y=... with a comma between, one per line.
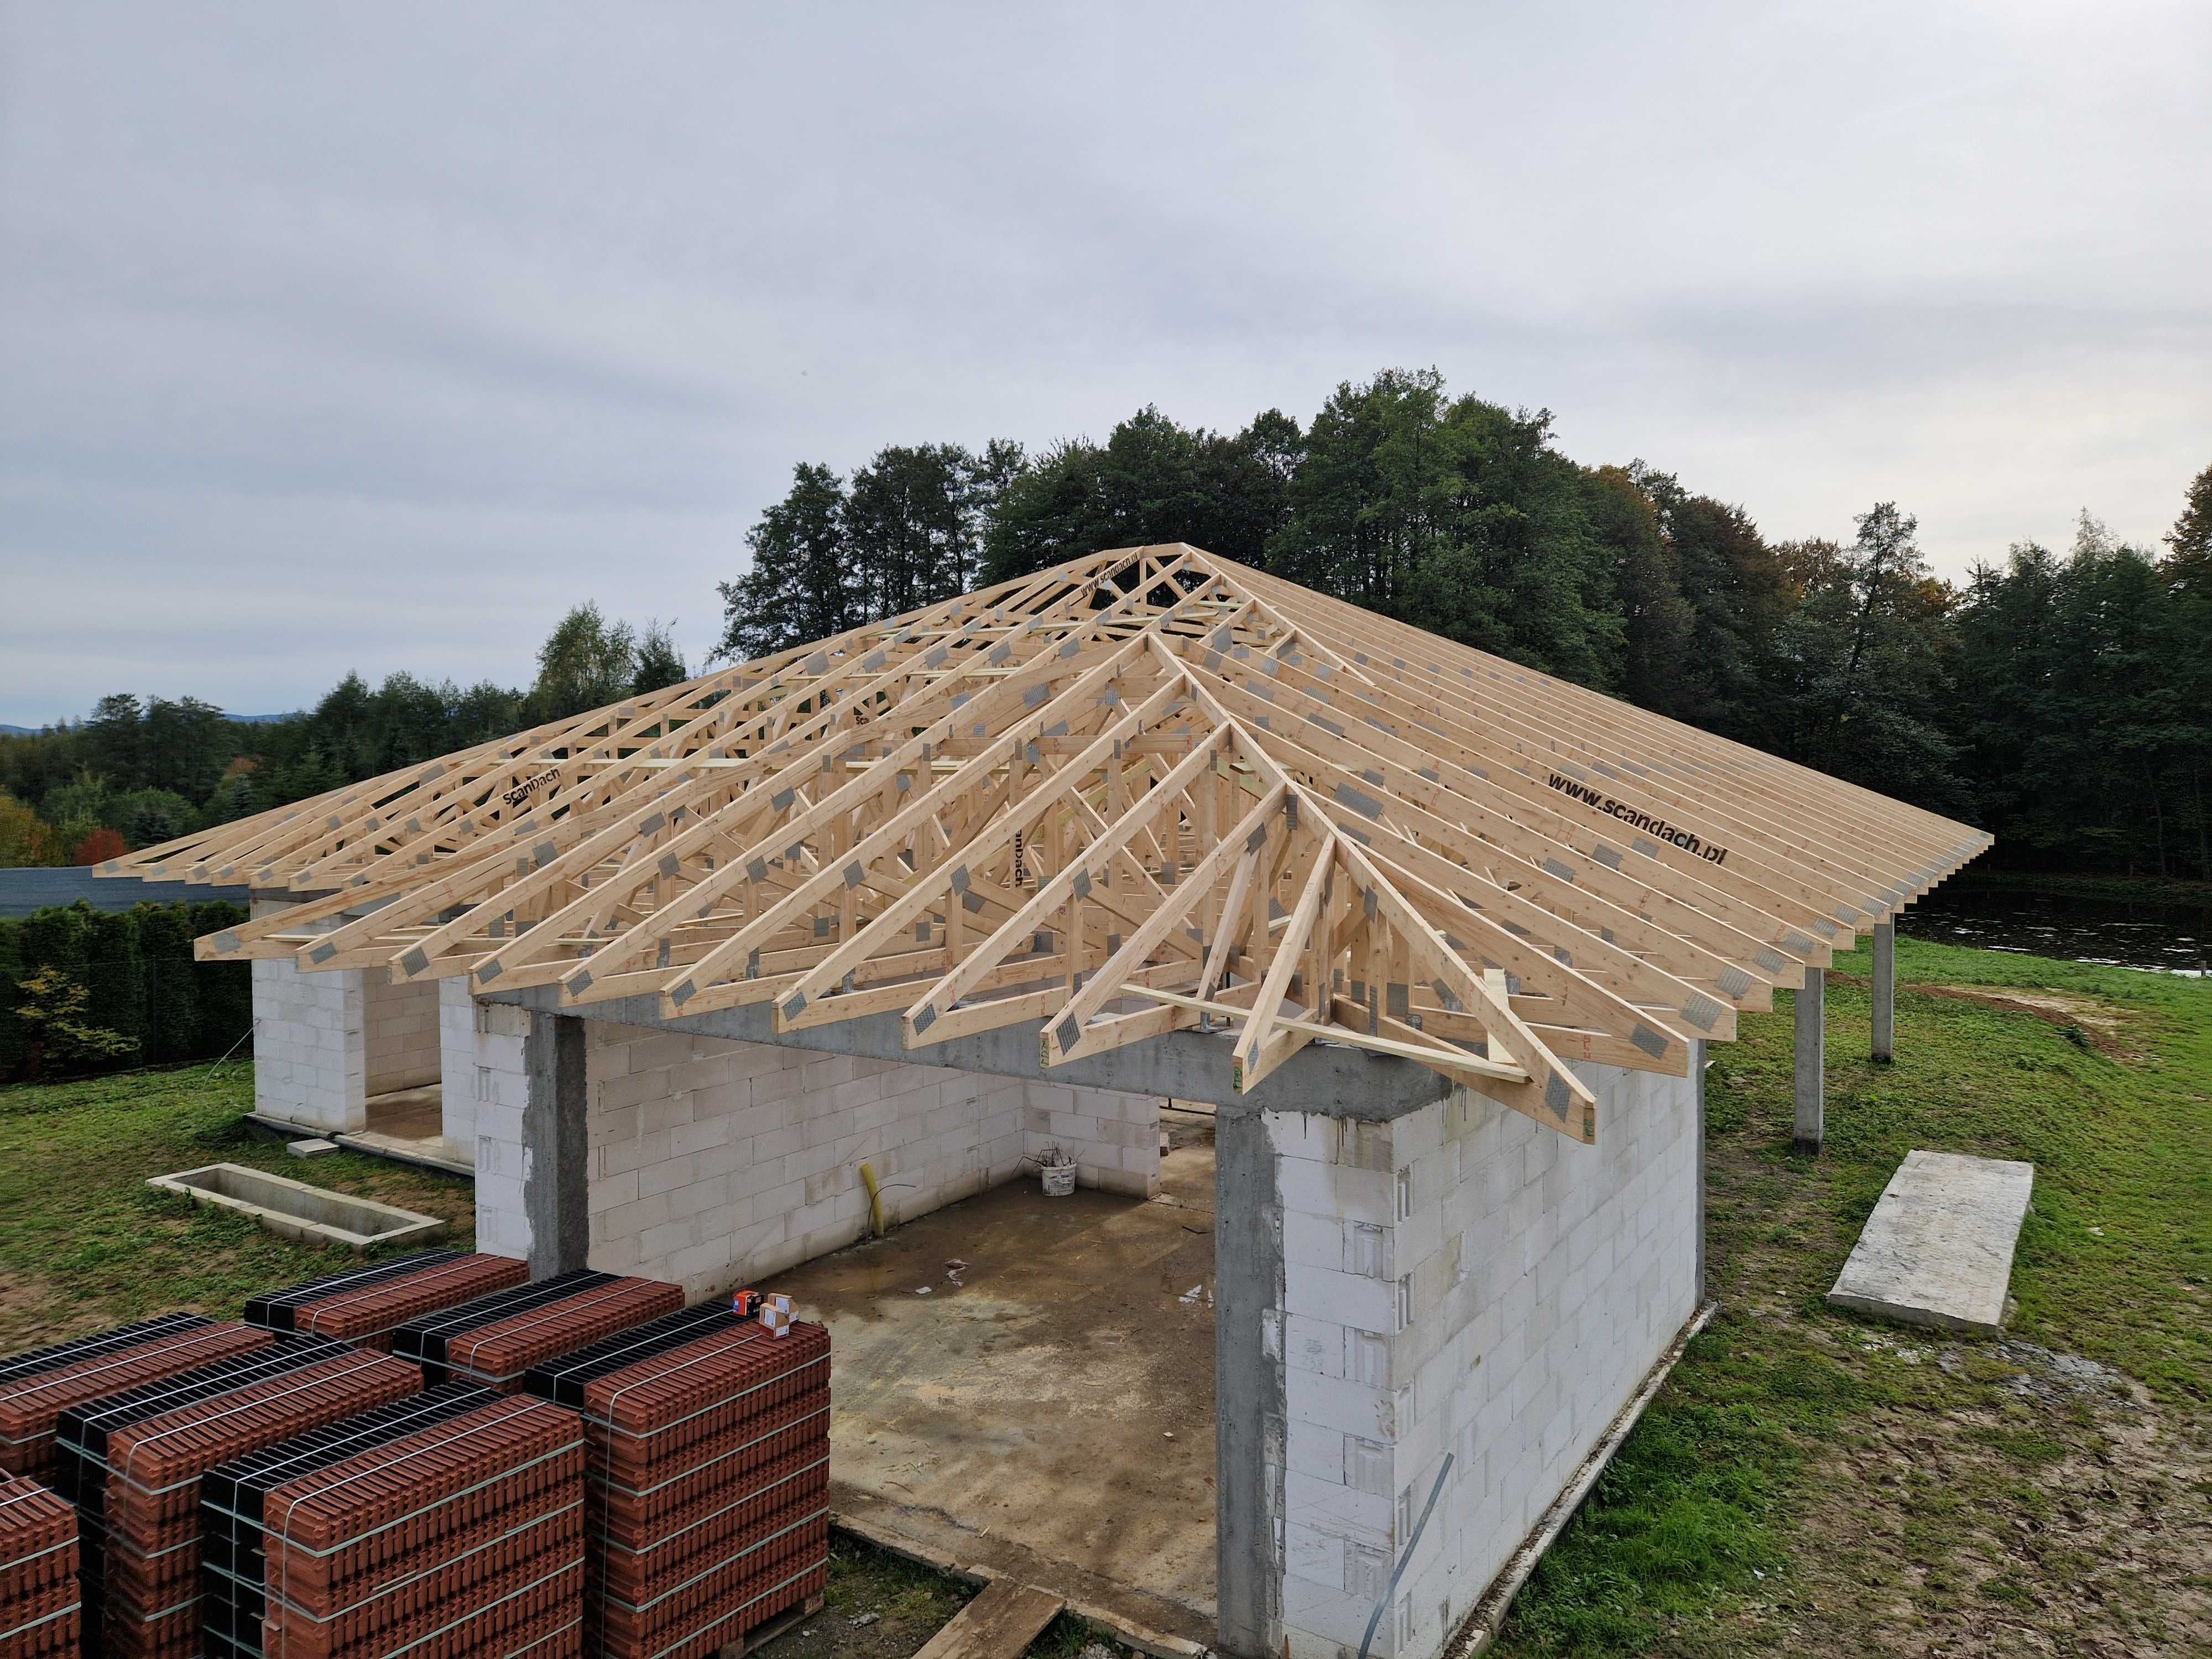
x=1408, y=955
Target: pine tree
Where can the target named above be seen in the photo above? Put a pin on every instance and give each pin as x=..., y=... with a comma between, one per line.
x=802, y=585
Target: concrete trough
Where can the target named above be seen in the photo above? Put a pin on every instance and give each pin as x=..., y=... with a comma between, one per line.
x=299, y=1211
x=1937, y=1251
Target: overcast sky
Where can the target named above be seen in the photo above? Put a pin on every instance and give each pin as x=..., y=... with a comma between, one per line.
x=376, y=336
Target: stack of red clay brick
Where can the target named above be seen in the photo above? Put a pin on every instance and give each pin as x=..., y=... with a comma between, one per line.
x=708, y=1499
x=132, y=1463
x=364, y=1306
x=449, y=1524
x=39, y=1611
x=35, y=1388
x=495, y=1339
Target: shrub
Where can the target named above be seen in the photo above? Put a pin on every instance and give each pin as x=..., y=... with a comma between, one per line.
x=62, y=1038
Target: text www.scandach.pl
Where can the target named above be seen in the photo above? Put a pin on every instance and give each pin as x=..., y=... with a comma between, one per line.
x=1658, y=829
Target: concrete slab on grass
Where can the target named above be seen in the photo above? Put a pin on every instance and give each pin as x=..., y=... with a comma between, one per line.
x=1937, y=1251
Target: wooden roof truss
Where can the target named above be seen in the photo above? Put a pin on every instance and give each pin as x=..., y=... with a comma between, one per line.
x=1146, y=792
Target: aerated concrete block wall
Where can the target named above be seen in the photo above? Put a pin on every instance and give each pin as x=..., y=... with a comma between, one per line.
x=1462, y=1280
x=487, y=1090
x=310, y=1057
x=400, y=1032
x=1115, y=1138
x=457, y=1020
x=712, y=1162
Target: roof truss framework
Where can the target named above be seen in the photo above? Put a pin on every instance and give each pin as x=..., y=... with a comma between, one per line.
x=1146, y=792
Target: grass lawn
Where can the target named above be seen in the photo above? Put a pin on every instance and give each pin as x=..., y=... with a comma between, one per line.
x=85, y=1244
x=1808, y=1482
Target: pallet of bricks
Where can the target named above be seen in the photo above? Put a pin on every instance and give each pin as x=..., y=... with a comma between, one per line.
x=448, y=1524
x=38, y=1591
x=706, y=1500
x=365, y=1305
x=36, y=1389
x=131, y=1463
x=494, y=1341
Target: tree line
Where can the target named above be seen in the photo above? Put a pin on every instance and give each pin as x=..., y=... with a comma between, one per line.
x=2060, y=699
x=136, y=773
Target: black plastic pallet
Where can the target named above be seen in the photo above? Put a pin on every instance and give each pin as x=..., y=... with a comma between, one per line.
x=233, y=1559
x=275, y=1311
x=563, y=1381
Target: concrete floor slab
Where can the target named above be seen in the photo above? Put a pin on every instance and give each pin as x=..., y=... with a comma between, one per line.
x=409, y=1124
x=1044, y=1413
x=1937, y=1251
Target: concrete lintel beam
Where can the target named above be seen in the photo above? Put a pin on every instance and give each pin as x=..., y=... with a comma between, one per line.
x=1322, y=1077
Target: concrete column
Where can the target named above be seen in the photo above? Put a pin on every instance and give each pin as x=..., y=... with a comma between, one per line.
x=1697, y=1087
x=1248, y=1386
x=1811, y=1057
x=555, y=1189
x=1885, y=992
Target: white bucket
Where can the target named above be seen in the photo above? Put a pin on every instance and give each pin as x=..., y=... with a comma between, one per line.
x=1059, y=1178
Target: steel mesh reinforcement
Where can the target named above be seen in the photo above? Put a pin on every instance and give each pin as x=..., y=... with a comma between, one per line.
x=495, y=1339
x=450, y=1525
x=365, y=1305
x=37, y=1387
x=38, y=1589
x=707, y=1504
x=133, y=1463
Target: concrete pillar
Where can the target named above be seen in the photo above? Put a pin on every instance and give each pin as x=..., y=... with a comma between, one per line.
x=1885, y=992
x=1697, y=1086
x=1248, y=1386
x=1811, y=1057
x=555, y=1189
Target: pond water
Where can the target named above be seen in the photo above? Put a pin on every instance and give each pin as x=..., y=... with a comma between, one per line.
x=2163, y=937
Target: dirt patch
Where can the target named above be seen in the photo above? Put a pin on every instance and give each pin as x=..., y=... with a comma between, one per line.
x=2113, y=1032
x=2048, y=1507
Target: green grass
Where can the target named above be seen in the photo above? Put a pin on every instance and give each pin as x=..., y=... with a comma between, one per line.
x=84, y=1243
x=1812, y=1480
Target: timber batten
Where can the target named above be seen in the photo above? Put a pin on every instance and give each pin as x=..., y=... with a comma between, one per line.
x=1146, y=792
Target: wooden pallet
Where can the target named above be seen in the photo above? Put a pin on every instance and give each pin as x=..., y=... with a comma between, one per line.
x=761, y=1635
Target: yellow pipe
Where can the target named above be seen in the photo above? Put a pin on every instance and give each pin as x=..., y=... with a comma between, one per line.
x=875, y=1199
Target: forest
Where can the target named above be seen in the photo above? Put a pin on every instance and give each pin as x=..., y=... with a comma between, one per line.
x=2061, y=698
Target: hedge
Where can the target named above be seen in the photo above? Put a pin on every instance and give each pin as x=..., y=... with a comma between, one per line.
x=138, y=965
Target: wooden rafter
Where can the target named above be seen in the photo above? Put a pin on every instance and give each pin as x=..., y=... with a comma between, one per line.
x=1146, y=792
